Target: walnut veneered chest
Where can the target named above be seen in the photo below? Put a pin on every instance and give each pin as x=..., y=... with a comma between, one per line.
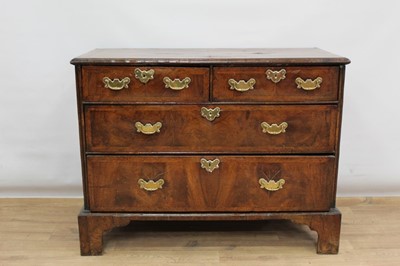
x=209, y=134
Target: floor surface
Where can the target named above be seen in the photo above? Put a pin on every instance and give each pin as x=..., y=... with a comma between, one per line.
x=45, y=232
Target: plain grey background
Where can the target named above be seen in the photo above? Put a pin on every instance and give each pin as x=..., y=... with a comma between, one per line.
x=39, y=147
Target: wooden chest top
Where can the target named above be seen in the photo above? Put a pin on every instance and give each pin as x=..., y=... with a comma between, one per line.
x=301, y=56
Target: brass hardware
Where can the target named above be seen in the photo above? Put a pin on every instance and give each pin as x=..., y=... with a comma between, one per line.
x=151, y=185
x=144, y=75
x=209, y=165
x=275, y=76
x=116, y=84
x=242, y=85
x=309, y=84
x=271, y=185
x=274, y=129
x=148, y=128
x=176, y=84
x=210, y=114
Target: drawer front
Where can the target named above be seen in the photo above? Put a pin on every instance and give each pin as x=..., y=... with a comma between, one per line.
x=141, y=84
x=275, y=84
x=237, y=129
x=181, y=184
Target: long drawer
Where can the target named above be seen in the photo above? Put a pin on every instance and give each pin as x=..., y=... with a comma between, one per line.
x=190, y=128
x=210, y=183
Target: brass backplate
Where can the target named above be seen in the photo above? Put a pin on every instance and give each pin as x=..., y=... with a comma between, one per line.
x=209, y=113
x=209, y=165
x=144, y=75
x=275, y=76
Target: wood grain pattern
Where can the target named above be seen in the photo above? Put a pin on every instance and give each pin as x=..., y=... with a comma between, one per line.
x=326, y=224
x=233, y=187
x=92, y=228
x=44, y=231
x=267, y=91
x=153, y=91
x=111, y=129
x=115, y=156
x=82, y=136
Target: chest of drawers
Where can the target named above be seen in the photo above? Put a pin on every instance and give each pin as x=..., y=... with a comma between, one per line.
x=209, y=134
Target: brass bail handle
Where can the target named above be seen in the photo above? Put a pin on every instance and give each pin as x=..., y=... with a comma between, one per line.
x=271, y=185
x=151, y=185
x=308, y=84
x=274, y=129
x=176, y=84
x=241, y=85
x=148, y=129
x=116, y=84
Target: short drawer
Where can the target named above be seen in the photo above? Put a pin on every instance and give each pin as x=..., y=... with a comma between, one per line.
x=211, y=128
x=275, y=84
x=198, y=184
x=144, y=84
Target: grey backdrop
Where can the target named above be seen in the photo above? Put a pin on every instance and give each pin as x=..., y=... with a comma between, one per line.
x=39, y=152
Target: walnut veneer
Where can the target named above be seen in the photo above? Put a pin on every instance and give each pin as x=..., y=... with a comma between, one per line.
x=209, y=134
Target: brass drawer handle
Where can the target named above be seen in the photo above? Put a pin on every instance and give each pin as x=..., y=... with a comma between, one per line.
x=176, y=84
x=242, y=85
x=271, y=185
x=148, y=128
x=275, y=76
x=274, y=129
x=144, y=75
x=308, y=84
x=116, y=84
x=209, y=113
x=151, y=185
x=209, y=165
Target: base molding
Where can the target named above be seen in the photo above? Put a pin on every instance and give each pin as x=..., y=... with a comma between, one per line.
x=92, y=226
